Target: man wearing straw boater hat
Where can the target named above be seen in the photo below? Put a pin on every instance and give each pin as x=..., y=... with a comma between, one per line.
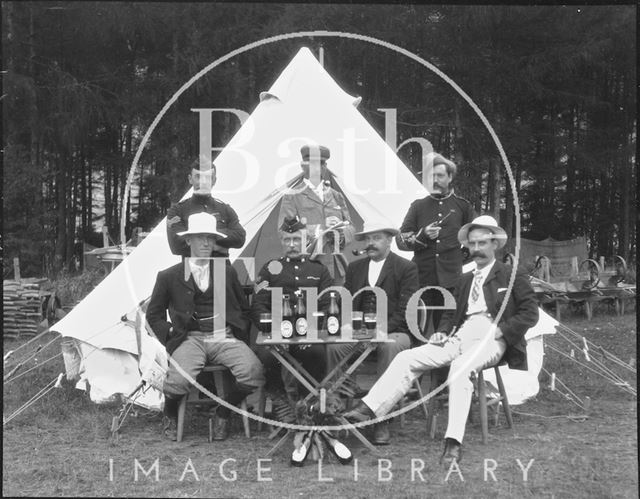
x=398, y=278
x=468, y=339
x=196, y=294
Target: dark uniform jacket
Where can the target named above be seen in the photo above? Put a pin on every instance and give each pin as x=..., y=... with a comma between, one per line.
x=290, y=274
x=520, y=314
x=226, y=217
x=171, y=292
x=398, y=278
x=308, y=206
x=440, y=262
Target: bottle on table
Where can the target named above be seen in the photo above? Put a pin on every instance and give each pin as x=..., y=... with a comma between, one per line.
x=286, y=326
x=333, y=316
x=301, y=315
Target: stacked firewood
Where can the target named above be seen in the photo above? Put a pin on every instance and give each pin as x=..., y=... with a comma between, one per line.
x=22, y=307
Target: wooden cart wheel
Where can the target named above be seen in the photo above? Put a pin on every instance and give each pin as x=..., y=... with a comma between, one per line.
x=621, y=268
x=593, y=269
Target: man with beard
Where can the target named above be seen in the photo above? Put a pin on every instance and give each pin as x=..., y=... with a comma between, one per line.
x=202, y=179
x=470, y=338
x=430, y=229
x=398, y=278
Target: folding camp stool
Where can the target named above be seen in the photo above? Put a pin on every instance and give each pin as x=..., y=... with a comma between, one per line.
x=222, y=380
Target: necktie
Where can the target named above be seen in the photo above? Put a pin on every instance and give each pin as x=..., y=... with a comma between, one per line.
x=475, y=291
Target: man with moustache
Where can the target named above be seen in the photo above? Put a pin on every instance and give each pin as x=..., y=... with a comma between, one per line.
x=290, y=272
x=398, y=278
x=468, y=339
x=202, y=178
x=430, y=230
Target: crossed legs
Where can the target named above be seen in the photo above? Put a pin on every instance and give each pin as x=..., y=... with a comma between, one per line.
x=472, y=349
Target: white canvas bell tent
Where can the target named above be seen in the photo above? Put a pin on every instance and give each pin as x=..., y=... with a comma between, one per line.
x=304, y=105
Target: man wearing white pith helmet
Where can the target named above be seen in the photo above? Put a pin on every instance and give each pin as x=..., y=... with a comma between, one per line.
x=467, y=339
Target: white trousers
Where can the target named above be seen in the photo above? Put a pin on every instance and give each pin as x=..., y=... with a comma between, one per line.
x=470, y=350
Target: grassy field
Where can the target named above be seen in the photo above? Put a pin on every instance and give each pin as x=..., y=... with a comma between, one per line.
x=61, y=446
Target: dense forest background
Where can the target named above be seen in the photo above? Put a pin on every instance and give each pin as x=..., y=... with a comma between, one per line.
x=82, y=82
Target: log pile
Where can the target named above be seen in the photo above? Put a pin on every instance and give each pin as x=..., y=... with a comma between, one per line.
x=22, y=307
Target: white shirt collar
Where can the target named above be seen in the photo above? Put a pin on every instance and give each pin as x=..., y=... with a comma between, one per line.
x=200, y=274
x=374, y=271
x=318, y=189
x=485, y=270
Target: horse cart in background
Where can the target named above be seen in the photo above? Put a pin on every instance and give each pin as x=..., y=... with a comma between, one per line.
x=562, y=274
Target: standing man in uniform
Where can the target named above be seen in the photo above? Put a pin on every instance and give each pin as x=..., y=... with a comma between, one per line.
x=202, y=179
x=320, y=207
x=430, y=230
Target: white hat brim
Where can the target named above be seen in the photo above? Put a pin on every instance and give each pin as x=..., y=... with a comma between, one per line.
x=188, y=232
x=498, y=233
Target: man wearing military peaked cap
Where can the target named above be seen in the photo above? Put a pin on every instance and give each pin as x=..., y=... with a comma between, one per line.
x=323, y=210
x=322, y=152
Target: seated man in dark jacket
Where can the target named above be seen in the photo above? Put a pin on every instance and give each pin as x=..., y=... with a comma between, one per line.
x=198, y=298
x=470, y=338
x=398, y=278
